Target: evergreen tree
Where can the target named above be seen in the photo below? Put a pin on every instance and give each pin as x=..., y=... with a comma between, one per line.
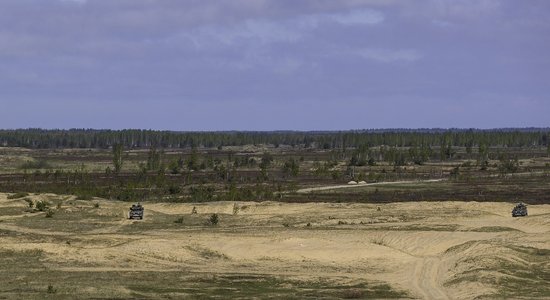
x=153, y=159
x=117, y=157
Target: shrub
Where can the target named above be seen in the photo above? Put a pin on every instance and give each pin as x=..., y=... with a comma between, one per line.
x=18, y=195
x=174, y=189
x=179, y=220
x=49, y=213
x=455, y=172
x=96, y=205
x=214, y=219
x=41, y=205
x=51, y=289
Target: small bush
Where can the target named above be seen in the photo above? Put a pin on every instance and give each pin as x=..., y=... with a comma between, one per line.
x=214, y=219
x=42, y=205
x=96, y=205
x=179, y=220
x=59, y=205
x=18, y=195
x=49, y=213
x=174, y=189
x=51, y=289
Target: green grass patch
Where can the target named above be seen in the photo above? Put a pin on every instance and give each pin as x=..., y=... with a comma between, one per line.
x=253, y=286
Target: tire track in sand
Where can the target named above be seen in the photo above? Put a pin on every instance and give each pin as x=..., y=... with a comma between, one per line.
x=426, y=276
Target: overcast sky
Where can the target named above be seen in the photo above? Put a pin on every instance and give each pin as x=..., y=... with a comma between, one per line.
x=274, y=64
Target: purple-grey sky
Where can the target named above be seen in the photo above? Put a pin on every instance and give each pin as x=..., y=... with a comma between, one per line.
x=274, y=64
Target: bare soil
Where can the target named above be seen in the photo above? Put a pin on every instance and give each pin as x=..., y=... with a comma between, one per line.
x=427, y=250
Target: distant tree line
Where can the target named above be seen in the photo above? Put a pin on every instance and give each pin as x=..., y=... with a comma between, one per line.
x=421, y=139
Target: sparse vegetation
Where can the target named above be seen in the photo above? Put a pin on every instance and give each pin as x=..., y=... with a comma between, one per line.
x=35, y=164
x=214, y=219
x=42, y=205
x=17, y=195
x=527, y=273
x=117, y=157
x=84, y=197
x=49, y=213
x=30, y=203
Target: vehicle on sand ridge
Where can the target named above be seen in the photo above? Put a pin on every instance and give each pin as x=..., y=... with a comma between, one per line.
x=136, y=212
x=520, y=210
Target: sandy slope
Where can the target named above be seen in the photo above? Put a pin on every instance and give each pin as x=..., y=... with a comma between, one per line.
x=417, y=247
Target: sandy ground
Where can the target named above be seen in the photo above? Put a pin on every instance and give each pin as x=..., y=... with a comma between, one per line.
x=424, y=249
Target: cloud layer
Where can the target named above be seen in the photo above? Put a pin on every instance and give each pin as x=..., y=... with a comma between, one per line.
x=273, y=64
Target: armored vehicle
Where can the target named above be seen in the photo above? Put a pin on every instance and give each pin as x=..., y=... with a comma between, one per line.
x=136, y=212
x=520, y=210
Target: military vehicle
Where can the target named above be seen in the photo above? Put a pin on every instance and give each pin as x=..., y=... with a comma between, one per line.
x=520, y=210
x=136, y=212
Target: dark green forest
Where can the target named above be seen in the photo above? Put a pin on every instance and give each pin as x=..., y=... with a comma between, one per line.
x=136, y=139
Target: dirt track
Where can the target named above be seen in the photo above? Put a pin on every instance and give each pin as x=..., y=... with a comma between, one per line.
x=426, y=250
x=348, y=186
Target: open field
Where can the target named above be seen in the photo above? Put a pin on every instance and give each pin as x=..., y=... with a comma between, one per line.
x=429, y=250
x=431, y=220
x=268, y=173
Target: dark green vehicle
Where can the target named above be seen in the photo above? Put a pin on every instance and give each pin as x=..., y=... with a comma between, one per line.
x=136, y=212
x=520, y=210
